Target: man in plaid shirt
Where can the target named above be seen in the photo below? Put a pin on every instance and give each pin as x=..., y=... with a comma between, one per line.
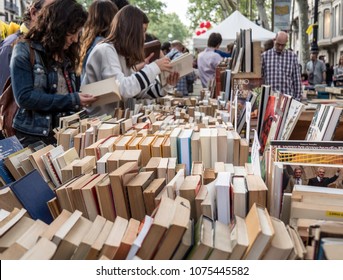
x=280, y=68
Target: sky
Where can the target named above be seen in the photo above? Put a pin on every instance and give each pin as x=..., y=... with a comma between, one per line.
x=179, y=7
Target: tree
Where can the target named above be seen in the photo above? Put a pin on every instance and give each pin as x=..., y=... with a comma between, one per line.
x=169, y=28
x=305, y=47
x=217, y=11
x=153, y=8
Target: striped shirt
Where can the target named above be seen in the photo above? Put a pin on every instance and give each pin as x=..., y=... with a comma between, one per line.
x=281, y=72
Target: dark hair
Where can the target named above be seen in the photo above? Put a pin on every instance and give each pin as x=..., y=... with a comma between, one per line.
x=166, y=47
x=214, y=40
x=54, y=23
x=120, y=3
x=127, y=34
x=100, y=16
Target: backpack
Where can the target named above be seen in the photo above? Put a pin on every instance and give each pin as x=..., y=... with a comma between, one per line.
x=8, y=105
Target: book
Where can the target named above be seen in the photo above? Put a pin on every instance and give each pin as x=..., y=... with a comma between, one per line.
x=8, y=146
x=162, y=219
x=8, y=199
x=118, y=179
x=34, y=193
x=49, y=233
x=186, y=242
x=184, y=148
x=88, y=240
x=152, y=47
x=44, y=249
x=293, y=115
x=222, y=185
x=51, y=165
x=203, y=239
x=183, y=65
x=72, y=239
x=25, y=242
x=11, y=219
x=260, y=232
x=97, y=245
x=15, y=232
x=114, y=238
x=135, y=190
x=151, y=192
x=143, y=231
x=281, y=245
x=13, y=162
x=205, y=144
x=222, y=247
x=333, y=123
x=189, y=189
x=106, y=90
x=105, y=199
x=177, y=228
x=239, y=239
x=127, y=240
x=239, y=196
x=37, y=162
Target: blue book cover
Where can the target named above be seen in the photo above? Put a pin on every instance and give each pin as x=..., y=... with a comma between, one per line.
x=34, y=193
x=8, y=146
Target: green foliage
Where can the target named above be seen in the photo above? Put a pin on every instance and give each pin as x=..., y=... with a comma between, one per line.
x=169, y=28
x=153, y=8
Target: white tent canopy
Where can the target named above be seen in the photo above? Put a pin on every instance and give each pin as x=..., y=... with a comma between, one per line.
x=228, y=29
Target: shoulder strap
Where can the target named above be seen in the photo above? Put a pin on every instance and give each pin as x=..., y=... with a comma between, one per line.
x=32, y=56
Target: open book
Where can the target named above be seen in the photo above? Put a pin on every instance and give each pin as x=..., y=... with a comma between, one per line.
x=106, y=90
x=182, y=64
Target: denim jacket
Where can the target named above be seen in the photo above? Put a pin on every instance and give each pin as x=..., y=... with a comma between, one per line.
x=35, y=89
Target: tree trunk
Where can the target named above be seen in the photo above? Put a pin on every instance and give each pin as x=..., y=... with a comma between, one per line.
x=232, y=4
x=226, y=8
x=262, y=13
x=304, y=22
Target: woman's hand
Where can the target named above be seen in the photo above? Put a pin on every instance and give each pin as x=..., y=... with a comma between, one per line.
x=86, y=99
x=173, y=78
x=164, y=64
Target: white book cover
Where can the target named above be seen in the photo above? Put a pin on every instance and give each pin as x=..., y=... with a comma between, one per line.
x=173, y=141
x=294, y=112
x=182, y=65
x=223, y=197
x=148, y=221
x=205, y=143
x=184, y=149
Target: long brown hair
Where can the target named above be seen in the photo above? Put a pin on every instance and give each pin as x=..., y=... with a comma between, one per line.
x=100, y=16
x=127, y=34
x=54, y=23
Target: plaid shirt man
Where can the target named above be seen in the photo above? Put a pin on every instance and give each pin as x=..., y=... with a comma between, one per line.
x=280, y=70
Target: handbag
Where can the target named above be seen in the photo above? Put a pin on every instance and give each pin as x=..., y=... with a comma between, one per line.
x=8, y=105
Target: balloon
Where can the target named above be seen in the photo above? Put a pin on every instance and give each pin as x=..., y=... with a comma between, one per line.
x=198, y=33
x=207, y=24
x=202, y=24
x=203, y=31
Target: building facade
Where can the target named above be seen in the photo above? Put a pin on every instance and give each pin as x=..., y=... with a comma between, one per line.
x=12, y=10
x=330, y=29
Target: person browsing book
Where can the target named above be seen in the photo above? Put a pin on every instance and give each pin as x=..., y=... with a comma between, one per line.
x=49, y=89
x=118, y=55
x=97, y=27
x=185, y=82
x=316, y=70
x=320, y=180
x=6, y=46
x=280, y=68
x=208, y=59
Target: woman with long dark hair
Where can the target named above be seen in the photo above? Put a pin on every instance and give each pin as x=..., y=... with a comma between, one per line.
x=120, y=53
x=47, y=87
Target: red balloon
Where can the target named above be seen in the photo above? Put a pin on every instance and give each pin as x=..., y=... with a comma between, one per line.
x=202, y=24
x=198, y=33
x=203, y=31
x=207, y=24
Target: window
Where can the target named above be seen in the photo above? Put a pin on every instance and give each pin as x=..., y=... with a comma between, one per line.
x=327, y=21
x=320, y=23
x=336, y=27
